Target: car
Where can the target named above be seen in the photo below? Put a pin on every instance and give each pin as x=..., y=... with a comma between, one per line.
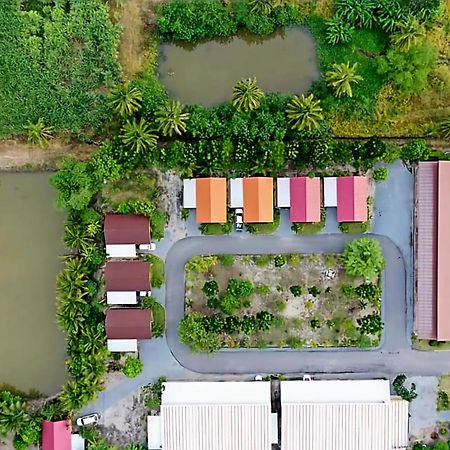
x=90, y=419
x=307, y=377
x=239, y=220
x=144, y=248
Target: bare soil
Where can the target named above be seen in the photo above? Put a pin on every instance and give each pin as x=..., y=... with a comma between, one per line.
x=336, y=313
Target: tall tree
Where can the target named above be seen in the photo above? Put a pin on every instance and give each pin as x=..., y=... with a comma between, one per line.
x=171, y=118
x=304, y=113
x=247, y=95
x=138, y=137
x=125, y=100
x=341, y=77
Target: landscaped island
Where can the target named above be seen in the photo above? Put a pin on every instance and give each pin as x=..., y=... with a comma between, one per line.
x=288, y=300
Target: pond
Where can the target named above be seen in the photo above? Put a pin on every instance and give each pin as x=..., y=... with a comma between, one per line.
x=284, y=61
x=32, y=348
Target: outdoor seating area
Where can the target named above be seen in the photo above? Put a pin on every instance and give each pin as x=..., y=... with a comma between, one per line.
x=255, y=196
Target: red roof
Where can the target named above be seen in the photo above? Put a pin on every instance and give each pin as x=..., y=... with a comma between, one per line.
x=128, y=323
x=127, y=276
x=56, y=435
x=126, y=229
x=305, y=199
x=352, y=199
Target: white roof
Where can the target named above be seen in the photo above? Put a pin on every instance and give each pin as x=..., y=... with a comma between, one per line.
x=189, y=193
x=121, y=250
x=283, y=192
x=121, y=298
x=216, y=416
x=342, y=415
x=77, y=442
x=154, y=432
x=335, y=391
x=329, y=192
x=122, y=345
x=236, y=193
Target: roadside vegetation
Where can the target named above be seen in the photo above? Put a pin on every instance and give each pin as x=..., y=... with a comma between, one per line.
x=284, y=300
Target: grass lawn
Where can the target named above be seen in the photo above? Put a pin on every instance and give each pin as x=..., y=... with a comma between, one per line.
x=427, y=345
x=157, y=276
x=320, y=314
x=159, y=319
x=443, y=403
x=310, y=228
x=265, y=228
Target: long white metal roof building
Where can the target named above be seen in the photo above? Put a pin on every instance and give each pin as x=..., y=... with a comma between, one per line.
x=216, y=416
x=342, y=415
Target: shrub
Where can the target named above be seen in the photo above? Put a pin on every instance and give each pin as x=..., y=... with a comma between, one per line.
x=153, y=393
x=262, y=260
x=201, y=264
x=443, y=402
x=294, y=259
x=348, y=290
x=264, y=320
x=228, y=303
x=338, y=31
x=314, y=291
x=363, y=257
x=263, y=289
x=249, y=325
x=157, y=275
x=132, y=367
x=211, y=289
x=232, y=325
x=315, y=323
x=400, y=390
x=381, y=174
x=296, y=290
x=368, y=291
x=295, y=342
x=280, y=305
x=441, y=445
x=191, y=331
x=226, y=260
x=416, y=150
x=279, y=261
x=370, y=324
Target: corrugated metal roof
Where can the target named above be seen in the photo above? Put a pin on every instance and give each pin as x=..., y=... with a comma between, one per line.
x=283, y=192
x=345, y=426
x=443, y=252
x=305, y=199
x=258, y=200
x=189, y=195
x=216, y=416
x=352, y=199
x=330, y=192
x=236, y=193
x=128, y=323
x=426, y=248
x=127, y=276
x=211, y=199
x=126, y=229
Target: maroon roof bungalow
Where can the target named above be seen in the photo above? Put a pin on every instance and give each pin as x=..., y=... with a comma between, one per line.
x=56, y=435
x=129, y=323
x=126, y=229
x=352, y=195
x=121, y=276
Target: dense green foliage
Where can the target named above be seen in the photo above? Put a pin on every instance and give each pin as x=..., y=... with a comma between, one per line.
x=56, y=62
x=247, y=96
x=153, y=393
x=401, y=390
x=132, y=367
x=381, y=174
x=363, y=257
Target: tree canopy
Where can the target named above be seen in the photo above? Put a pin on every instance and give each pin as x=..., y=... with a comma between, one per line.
x=363, y=257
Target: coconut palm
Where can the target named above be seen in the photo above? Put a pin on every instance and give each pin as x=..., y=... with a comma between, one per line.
x=304, y=113
x=409, y=33
x=261, y=6
x=38, y=133
x=247, y=95
x=12, y=412
x=341, y=77
x=445, y=127
x=125, y=100
x=171, y=118
x=74, y=236
x=137, y=136
x=338, y=31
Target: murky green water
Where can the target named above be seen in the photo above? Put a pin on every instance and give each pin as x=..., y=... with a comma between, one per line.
x=32, y=348
x=206, y=73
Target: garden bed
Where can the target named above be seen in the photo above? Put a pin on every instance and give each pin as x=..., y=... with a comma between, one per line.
x=285, y=301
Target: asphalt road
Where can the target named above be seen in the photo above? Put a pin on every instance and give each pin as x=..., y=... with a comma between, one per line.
x=394, y=355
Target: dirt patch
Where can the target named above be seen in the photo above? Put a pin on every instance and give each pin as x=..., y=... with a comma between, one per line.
x=309, y=306
x=18, y=155
x=135, y=16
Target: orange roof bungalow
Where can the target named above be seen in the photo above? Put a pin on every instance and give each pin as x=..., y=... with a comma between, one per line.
x=432, y=252
x=258, y=199
x=208, y=196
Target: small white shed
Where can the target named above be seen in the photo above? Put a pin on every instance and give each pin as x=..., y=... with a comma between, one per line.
x=154, y=432
x=330, y=192
x=283, y=192
x=122, y=345
x=121, y=250
x=121, y=297
x=236, y=193
x=190, y=194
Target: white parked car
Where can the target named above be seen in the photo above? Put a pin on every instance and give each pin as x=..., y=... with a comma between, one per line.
x=90, y=419
x=239, y=220
x=143, y=248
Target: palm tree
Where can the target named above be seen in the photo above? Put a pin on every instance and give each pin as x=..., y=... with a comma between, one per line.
x=137, y=136
x=304, y=113
x=409, y=33
x=340, y=78
x=445, y=127
x=13, y=412
x=171, y=118
x=39, y=133
x=247, y=95
x=74, y=236
x=125, y=100
x=261, y=6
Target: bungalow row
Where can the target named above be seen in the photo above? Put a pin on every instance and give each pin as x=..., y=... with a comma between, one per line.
x=432, y=251
x=303, y=195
